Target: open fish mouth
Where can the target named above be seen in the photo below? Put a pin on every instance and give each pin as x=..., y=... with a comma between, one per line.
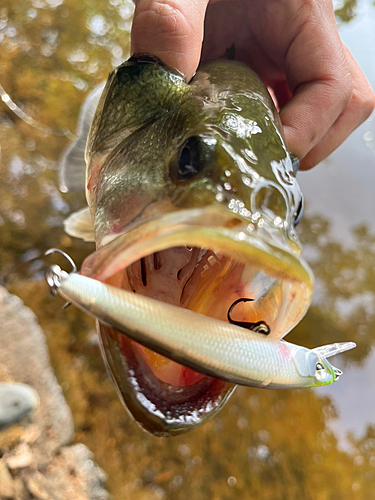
x=203, y=260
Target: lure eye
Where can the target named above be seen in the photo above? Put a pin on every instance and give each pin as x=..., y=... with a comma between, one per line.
x=320, y=372
x=298, y=213
x=196, y=154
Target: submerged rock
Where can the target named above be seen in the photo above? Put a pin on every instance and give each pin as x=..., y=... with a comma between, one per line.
x=35, y=459
x=24, y=359
x=16, y=401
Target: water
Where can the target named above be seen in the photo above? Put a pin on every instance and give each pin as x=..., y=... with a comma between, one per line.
x=346, y=199
x=264, y=444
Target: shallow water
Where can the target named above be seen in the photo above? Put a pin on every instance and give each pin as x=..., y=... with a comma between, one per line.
x=264, y=444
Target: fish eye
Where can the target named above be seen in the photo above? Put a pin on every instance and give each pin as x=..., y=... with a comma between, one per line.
x=320, y=372
x=297, y=217
x=197, y=153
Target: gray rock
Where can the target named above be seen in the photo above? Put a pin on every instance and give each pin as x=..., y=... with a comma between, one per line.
x=16, y=401
x=42, y=466
x=24, y=358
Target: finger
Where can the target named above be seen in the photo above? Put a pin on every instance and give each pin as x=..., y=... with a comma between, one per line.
x=171, y=30
x=360, y=107
x=318, y=76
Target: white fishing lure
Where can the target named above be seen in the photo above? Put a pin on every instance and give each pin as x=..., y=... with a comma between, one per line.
x=207, y=345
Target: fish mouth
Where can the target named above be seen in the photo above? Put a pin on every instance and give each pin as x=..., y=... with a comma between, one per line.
x=204, y=260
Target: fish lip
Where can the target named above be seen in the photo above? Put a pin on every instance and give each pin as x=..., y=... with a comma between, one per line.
x=200, y=227
x=146, y=397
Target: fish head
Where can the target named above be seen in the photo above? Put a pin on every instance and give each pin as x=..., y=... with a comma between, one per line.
x=194, y=201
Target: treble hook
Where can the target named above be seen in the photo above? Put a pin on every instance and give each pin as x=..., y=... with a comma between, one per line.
x=54, y=274
x=64, y=254
x=259, y=326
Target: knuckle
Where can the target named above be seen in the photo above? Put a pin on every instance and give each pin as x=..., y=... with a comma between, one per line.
x=344, y=83
x=364, y=101
x=167, y=12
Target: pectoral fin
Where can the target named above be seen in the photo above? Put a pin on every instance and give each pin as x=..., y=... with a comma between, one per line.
x=80, y=225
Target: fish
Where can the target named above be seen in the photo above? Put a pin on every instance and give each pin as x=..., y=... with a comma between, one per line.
x=16, y=401
x=212, y=347
x=192, y=200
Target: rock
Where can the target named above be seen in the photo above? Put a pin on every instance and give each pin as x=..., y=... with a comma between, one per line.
x=20, y=458
x=36, y=485
x=36, y=462
x=16, y=401
x=24, y=354
x=94, y=477
x=6, y=482
x=20, y=492
x=75, y=466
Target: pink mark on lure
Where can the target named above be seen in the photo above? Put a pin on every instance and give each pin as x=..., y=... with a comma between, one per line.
x=284, y=350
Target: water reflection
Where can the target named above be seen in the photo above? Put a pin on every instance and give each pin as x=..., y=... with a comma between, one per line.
x=345, y=196
x=346, y=10
x=346, y=199
x=264, y=444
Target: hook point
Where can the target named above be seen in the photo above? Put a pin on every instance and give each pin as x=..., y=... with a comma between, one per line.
x=64, y=254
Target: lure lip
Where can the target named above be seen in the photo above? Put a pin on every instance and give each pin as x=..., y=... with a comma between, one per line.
x=329, y=350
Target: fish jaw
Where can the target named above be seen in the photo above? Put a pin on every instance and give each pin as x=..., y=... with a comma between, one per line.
x=160, y=408
x=163, y=396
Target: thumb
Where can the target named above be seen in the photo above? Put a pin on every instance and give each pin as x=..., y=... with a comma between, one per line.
x=171, y=30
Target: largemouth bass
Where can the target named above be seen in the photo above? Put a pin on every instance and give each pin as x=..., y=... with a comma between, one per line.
x=192, y=201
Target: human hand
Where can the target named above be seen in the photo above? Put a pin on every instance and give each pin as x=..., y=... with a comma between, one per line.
x=293, y=45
